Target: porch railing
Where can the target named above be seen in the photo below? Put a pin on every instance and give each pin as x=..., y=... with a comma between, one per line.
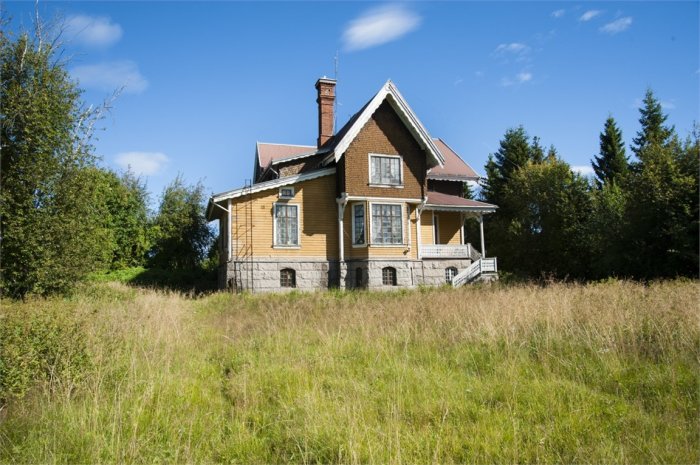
x=450, y=251
x=476, y=269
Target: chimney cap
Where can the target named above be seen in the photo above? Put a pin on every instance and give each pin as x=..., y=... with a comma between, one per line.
x=325, y=80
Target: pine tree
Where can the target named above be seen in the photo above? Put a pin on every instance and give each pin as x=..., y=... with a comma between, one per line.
x=514, y=153
x=652, y=120
x=536, y=151
x=611, y=163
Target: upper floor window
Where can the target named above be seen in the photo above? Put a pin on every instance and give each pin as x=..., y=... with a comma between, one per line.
x=387, y=224
x=286, y=225
x=385, y=170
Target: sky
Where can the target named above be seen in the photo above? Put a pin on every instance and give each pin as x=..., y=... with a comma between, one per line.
x=204, y=81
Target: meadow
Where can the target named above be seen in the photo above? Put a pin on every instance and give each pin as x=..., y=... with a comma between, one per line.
x=597, y=373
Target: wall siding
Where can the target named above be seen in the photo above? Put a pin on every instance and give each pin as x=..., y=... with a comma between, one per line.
x=317, y=217
x=386, y=134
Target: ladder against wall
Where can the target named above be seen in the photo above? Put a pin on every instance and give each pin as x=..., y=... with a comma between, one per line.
x=243, y=242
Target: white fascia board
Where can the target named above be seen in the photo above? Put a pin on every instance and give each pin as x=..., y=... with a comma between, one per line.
x=456, y=178
x=389, y=91
x=456, y=208
x=274, y=184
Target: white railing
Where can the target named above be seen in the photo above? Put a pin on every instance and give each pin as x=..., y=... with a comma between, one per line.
x=476, y=269
x=447, y=251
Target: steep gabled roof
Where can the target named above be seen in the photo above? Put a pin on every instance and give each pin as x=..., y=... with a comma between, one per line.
x=340, y=143
x=454, y=168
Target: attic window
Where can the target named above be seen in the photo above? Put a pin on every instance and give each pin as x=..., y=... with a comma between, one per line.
x=286, y=193
x=385, y=170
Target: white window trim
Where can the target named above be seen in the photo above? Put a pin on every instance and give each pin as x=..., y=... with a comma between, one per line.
x=371, y=229
x=285, y=197
x=275, y=245
x=352, y=214
x=386, y=186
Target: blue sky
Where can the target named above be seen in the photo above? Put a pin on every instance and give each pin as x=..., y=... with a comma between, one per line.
x=206, y=80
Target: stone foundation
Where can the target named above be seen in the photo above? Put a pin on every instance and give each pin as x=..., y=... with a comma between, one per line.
x=263, y=275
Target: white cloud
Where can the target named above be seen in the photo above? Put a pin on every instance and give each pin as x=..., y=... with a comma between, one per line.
x=617, y=26
x=589, y=15
x=379, y=26
x=142, y=163
x=558, y=13
x=524, y=76
x=514, y=48
x=93, y=31
x=458, y=81
x=111, y=75
x=520, y=78
x=583, y=170
x=668, y=105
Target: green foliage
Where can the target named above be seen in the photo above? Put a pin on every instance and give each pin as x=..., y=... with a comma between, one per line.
x=180, y=230
x=603, y=373
x=50, y=209
x=514, y=152
x=40, y=342
x=611, y=164
x=652, y=121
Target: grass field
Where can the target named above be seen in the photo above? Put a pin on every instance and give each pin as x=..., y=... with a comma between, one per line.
x=565, y=373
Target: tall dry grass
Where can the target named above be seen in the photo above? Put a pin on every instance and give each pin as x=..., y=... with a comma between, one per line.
x=564, y=373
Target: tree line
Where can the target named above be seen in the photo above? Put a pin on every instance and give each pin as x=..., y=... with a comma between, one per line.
x=637, y=218
x=62, y=215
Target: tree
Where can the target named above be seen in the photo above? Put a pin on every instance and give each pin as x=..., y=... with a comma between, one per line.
x=181, y=232
x=513, y=153
x=51, y=233
x=545, y=231
x=652, y=121
x=611, y=164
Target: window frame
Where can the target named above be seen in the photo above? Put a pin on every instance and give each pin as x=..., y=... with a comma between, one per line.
x=352, y=214
x=293, y=278
x=275, y=245
x=371, y=183
x=371, y=226
x=281, y=196
x=450, y=269
x=394, y=277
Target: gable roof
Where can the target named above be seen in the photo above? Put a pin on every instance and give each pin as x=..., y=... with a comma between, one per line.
x=388, y=92
x=269, y=153
x=454, y=168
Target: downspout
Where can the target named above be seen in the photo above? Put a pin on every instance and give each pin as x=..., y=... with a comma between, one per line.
x=342, y=202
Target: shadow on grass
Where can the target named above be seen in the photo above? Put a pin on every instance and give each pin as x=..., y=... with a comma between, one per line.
x=189, y=281
x=194, y=281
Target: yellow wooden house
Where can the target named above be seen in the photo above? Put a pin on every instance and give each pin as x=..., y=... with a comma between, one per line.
x=378, y=204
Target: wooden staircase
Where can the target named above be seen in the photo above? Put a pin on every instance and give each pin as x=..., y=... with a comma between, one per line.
x=481, y=269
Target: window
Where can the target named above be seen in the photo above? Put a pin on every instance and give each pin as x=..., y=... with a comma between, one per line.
x=389, y=276
x=450, y=273
x=288, y=278
x=385, y=170
x=358, y=224
x=386, y=224
x=286, y=225
x=286, y=193
x=358, y=277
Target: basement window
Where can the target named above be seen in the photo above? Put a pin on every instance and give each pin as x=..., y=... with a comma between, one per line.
x=389, y=276
x=450, y=274
x=288, y=278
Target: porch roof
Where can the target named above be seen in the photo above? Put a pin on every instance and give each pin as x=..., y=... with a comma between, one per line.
x=446, y=202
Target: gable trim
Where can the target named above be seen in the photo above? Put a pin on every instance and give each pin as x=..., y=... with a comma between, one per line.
x=390, y=93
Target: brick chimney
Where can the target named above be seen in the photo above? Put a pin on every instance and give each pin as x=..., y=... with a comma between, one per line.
x=326, y=116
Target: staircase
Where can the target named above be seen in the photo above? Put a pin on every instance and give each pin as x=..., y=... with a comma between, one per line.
x=481, y=269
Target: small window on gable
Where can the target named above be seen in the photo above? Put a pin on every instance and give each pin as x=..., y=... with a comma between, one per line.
x=288, y=278
x=385, y=170
x=450, y=273
x=389, y=276
x=286, y=193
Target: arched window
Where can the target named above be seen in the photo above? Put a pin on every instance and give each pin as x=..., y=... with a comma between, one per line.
x=358, y=277
x=288, y=278
x=389, y=276
x=450, y=273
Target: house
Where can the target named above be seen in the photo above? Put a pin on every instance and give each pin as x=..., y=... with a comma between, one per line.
x=376, y=204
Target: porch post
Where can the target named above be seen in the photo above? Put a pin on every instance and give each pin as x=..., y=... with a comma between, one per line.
x=419, y=213
x=481, y=233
